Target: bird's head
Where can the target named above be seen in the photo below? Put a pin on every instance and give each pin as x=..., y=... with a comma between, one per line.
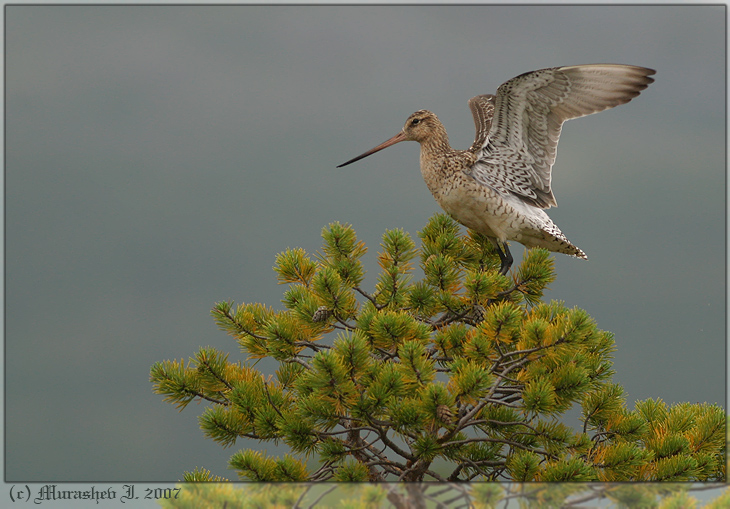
x=421, y=125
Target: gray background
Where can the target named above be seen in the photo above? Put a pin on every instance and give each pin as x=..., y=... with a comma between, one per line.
x=158, y=158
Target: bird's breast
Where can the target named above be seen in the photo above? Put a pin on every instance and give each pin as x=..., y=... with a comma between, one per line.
x=474, y=205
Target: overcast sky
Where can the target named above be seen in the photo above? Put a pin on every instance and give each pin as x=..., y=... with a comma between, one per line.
x=158, y=158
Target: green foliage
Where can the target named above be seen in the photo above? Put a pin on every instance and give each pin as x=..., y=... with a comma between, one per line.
x=361, y=495
x=461, y=375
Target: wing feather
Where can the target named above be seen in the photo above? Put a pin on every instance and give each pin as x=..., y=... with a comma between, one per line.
x=482, y=109
x=519, y=151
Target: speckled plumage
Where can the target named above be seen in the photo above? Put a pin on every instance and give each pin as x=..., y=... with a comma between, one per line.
x=501, y=184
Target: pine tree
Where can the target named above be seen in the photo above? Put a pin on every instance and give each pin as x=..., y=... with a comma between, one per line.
x=461, y=375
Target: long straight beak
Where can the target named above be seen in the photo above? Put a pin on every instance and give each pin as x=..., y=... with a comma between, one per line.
x=401, y=136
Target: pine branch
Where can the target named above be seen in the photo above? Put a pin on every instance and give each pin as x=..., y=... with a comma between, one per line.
x=499, y=441
x=268, y=397
x=477, y=408
x=393, y=447
x=299, y=361
x=223, y=402
x=313, y=346
x=345, y=431
x=301, y=496
x=321, y=496
x=216, y=375
x=368, y=297
x=240, y=327
x=325, y=469
x=390, y=466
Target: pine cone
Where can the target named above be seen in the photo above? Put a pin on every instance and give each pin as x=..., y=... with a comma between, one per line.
x=444, y=413
x=479, y=313
x=321, y=314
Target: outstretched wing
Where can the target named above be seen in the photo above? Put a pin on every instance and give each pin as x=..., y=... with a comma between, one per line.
x=519, y=151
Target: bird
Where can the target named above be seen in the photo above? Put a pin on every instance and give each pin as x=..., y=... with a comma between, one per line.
x=501, y=185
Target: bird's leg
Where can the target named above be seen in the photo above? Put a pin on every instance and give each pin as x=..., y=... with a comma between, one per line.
x=506, y=260
x=505, y=257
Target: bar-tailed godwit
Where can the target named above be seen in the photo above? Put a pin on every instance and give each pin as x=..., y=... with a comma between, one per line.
x=500, y=186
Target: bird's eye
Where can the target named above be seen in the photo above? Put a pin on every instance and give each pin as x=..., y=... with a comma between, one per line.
x=415, y=121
